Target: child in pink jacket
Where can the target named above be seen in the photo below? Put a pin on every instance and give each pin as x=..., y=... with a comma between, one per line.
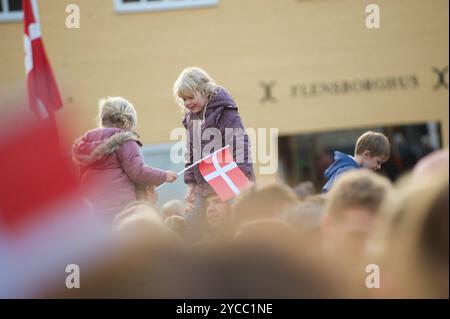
x=109, y=157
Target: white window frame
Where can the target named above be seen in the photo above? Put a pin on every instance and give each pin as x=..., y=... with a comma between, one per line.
x=144, y=5
x=8, y=16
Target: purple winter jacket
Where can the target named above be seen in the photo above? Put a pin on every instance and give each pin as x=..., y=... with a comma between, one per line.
x=110, y=158
x=221, y=113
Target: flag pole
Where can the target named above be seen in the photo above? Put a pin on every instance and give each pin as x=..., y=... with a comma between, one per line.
x=192, y=165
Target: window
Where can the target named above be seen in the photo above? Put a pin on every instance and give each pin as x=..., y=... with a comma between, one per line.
x=305, y=157
x=156, y=155
x=128, y=6
x=11, y=10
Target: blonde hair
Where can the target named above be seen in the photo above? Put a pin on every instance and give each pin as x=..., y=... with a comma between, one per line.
x=117, y=112
x=193, y=80
x=172, y=207
x=412, y=237
x=376, y=143
x=357, y=189
x=263, y=201
x=142, y=222
x=176, y=224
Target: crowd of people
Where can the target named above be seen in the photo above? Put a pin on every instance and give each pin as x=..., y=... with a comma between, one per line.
x=363, y=236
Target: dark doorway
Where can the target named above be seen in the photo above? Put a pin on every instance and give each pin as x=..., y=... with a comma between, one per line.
x=305, y=157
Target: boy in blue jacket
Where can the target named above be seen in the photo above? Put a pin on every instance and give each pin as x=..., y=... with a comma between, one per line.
x=372, y=149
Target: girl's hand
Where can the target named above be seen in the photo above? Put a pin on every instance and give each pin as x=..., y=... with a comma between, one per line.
x=151, y=195
x=190, y=195
x=189, y=207
x=171, y=176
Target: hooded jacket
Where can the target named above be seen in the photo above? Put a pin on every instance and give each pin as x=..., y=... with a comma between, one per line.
x=342, y=163
x=109, y=159
x=221, y=113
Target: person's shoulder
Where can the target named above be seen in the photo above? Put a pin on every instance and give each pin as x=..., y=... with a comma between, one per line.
x=231, y=115
x=222, y=97
x=124, y=139
x=334, y=175
x=344, y=169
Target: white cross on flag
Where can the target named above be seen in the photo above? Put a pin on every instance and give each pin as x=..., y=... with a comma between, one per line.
x=43, y=93
x=223, y=174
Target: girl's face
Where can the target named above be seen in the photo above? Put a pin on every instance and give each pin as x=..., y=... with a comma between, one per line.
x=194, y=102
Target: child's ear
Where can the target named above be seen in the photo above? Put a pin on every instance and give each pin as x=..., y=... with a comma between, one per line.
x=366, y=154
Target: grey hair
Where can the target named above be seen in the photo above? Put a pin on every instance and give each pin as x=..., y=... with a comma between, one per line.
x=193, y=80
x=117, y=112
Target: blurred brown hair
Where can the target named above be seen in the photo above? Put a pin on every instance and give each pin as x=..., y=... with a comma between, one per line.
x=416, y=238
x=357, y=189
x=268, y=201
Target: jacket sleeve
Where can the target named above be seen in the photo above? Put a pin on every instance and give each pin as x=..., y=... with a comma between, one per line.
x=241, y=143
x=133, y=164
x=189, y=177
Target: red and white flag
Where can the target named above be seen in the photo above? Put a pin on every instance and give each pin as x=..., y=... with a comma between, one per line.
x=223, y=174
x=46, y=223
x=43, y=93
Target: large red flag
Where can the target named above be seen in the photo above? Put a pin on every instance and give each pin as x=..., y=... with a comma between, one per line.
x=34, y=172
x=43, y=93
x=46, y=223
x=223, y=174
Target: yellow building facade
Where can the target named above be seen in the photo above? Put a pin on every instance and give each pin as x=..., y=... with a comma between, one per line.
x=299, y=66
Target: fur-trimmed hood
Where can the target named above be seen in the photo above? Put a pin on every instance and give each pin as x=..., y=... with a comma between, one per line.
x=98, y=143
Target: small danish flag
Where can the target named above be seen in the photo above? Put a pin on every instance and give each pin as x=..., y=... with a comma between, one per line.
x=223, y=174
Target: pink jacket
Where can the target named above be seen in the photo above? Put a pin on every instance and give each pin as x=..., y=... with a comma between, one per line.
x=109, y=158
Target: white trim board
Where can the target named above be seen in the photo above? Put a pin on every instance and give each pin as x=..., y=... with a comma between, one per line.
x=145, y=6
